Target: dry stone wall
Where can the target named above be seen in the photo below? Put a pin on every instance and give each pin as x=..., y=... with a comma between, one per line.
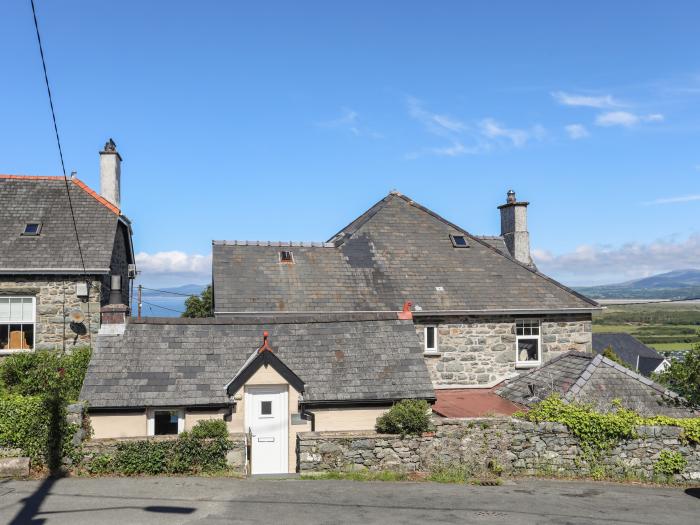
x=492, y=444
x=481, y=350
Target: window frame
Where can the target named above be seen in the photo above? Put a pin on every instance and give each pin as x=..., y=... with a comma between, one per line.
x=35, y=234
x=21, y=324
x=436, y=346
x=528, y=337
x=454, y=241
x=151, y=420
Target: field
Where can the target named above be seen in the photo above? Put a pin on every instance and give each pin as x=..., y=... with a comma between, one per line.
x=663, y=326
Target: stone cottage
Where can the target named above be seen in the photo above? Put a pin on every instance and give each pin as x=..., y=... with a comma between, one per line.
x=51, y=290
x=481, y=309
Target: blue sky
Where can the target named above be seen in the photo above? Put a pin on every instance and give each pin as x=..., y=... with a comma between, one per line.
x=285, y=120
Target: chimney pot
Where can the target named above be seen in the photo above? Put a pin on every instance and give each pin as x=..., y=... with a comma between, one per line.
x=510, y=199
x=110, y=173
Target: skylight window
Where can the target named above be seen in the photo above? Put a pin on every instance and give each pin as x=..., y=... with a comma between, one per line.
x=32, y=228
x=459, y=241
x=286, y=257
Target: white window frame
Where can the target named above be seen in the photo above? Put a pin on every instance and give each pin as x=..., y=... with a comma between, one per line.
x=530, y=325
x=8, y=351
x=435, y=349
x=151, y=413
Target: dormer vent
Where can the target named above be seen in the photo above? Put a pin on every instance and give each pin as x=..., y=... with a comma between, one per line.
x=287, y=257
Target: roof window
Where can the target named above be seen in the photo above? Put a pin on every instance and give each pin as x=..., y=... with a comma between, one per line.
x=32, y=228
x=459, y=241
x=286, y=257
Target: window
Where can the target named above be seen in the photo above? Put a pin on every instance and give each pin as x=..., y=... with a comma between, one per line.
x=165, y=422
x=431, y=343
x=527, y=335
x=17, y=319
x=265, y=408
x=286, y=257
x=459, y=241
x=32, y=228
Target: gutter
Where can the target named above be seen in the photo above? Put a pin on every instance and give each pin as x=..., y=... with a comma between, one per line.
x=54, y=271
x=422, y=313
x=347, y=403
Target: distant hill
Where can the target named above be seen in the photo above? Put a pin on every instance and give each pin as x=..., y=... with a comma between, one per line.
x=678, y=284
x=166, y=302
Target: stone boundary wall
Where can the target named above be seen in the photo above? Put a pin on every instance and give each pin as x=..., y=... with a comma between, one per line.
x=492, y=445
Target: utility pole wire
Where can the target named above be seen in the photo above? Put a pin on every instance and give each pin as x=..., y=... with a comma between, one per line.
x=63, y=166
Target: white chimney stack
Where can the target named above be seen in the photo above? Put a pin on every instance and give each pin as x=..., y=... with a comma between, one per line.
x=111, y=173
x=514, y=229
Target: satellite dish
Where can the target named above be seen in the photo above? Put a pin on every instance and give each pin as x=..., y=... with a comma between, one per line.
x=77, y=316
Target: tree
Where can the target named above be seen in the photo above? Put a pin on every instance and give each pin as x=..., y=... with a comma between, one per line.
x=683, y=377
x=200, y=306
x=610, y=354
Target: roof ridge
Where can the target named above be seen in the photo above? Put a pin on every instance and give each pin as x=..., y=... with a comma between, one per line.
x=292, y=244
x=639, y=377
x=583, y=378
x=99, y=198
x=31, y=177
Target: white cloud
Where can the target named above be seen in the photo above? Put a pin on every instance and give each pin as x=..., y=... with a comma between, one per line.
x=588, y=101
x=674, y=200
x=434, y=122
x=173, y=267
x=350, y=120
x=594, y=264
x=576, y=131
x=625, y=118
x=492, y=129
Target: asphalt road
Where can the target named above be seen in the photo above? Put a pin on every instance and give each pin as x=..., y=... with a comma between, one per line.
x=172, y=501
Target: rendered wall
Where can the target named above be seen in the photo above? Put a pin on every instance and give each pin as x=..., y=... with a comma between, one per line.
x=118, y=425
x=347, y=418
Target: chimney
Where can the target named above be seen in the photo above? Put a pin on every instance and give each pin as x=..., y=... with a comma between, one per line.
x=514, y=229
x=110, y=173
x=113, y=315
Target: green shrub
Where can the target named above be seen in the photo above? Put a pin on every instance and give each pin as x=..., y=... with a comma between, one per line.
x=201, y=450
x=35, y=373
x=211, y=428
x=408, y=416
x=669, y=463
x=36, y=425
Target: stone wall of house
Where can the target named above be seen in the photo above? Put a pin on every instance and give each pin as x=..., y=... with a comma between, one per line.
x=482, y=350
x=56, y=297
x=492, y=445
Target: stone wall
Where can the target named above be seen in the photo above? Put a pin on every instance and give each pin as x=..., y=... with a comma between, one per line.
x=492, y=445
x=56, y=297
x=481, y=350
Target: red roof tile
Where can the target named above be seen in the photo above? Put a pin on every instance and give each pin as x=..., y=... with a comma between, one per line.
x=472, y=402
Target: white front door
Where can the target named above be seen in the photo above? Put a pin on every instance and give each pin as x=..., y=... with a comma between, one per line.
x=266, y=416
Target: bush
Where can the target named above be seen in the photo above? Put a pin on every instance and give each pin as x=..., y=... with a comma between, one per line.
x=408, y=416
x=35, y=373
x=36, y=425
x=669, y=463
x=210, y=429
x=201, y=450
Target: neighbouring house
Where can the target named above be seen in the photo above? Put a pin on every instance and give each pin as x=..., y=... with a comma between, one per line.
x=50, y=291
x=583, y=377
x=632, y=351
x=274, y=376
x=481, y=309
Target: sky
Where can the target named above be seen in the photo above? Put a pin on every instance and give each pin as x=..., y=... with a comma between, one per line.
x=286, y=120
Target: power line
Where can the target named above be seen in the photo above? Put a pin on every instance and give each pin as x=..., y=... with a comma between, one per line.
x=63, y=165
x=171, y=293
x=163, y=307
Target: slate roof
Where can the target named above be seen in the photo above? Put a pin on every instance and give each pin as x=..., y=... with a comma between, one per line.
x=395, y=252
x=25, y=199
x=594, y=379
x=189, y=362
x=631, y=350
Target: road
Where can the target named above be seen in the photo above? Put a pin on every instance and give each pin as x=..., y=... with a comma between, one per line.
x=78, y=501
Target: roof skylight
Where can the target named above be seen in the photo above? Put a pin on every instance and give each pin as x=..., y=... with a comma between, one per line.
x=32, y=228
x=459, y=241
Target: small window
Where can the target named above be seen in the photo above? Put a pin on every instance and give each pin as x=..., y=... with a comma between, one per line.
x=527, y=334
x=431, y=343
x=32, y=228
x=17, y=318
x=459, y=241
x=166, y=422
x=266, y=408
x=286, y=257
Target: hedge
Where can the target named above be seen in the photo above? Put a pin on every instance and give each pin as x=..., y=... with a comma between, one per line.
x=201, y=450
